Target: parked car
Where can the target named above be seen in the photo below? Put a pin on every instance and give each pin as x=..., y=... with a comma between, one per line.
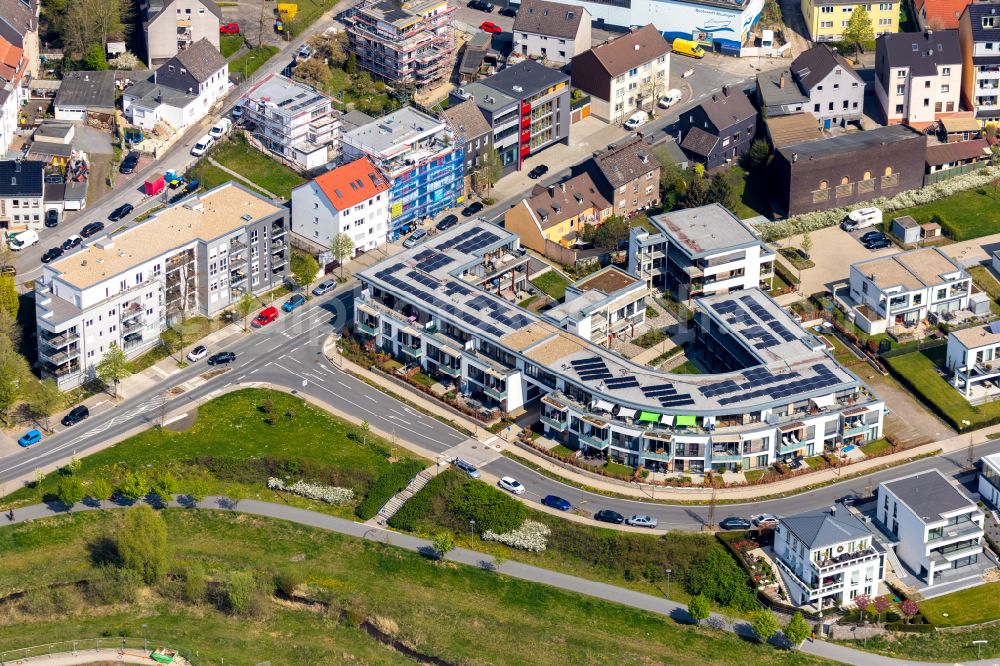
x=849, y=500
x=510, y=484
x=229, y=29
x=609, y=516
x=91, y=229
x=237, y=112
x=538, y=172
x=294, y=301
x=481, y=5
x=734, y=523
x=52, y=254
x=636, y=120
x=870, y=236
x=222, y=357
x=121, y=211
x=878, y=244
x=641, y=520
x=466, y=467
x=416, y=238
x=129, y=164
x=672, y=97
x=198, y=353
x=688, y=47
x=472, y=209
x=51, y=218
x=23, y=240
x=71, y=242
x=446, y=223
x=556, y=502
x=30, y=437
x=265, y=317
x=221, y=128
x=75, y=415
x=765, y=520
x=304, y=52
x=490, y=27
x=202, y=146
x=324, y=287
x=861, y=218
x=510, y=12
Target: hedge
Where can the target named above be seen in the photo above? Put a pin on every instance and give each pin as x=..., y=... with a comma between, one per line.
x=911, y=628
x=394, y=479
x=492, y=509
x=419, y=506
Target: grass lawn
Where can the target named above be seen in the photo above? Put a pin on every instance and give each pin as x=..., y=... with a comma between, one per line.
x=251, y=61
x=434, y=606
x=211, y=176
x=754, y=474
x=985, y=280
x=778, y=285
x=796, y=259
x=963, y=215
x=309, y=11
x=876, y=448
x=553, y=284
x=972, y=606
x=230, y=44
x=916, y=371
x=527, y=302
x=687, y=368
x=257, y=167
x=618, y=470
x=751, y=192
x=561, y=450
x=941, y=647
x=195, y=328
x=817, y=462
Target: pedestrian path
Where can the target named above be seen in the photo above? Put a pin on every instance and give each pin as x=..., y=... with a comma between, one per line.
x=519, y=570
x=397, y=501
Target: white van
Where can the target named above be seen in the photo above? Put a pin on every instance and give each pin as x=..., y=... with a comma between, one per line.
x=204, y=143
x=862, y=218
x=635, y=120
x=24, y=239
x=221, y=128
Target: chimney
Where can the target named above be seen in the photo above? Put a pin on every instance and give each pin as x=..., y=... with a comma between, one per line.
x=562, y=186
x=637, y=47
x=795, y=158
x=781, y=80
x=833, y=510
x=552, y=190
x=725, y=90
x=928, y=32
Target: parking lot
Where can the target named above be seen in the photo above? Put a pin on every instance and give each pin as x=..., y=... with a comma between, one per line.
x=256, y=19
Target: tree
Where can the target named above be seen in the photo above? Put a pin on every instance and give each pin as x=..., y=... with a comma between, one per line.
x=881, y=605
x=771, y=15
x=74, y=464
x=304, y=268
x=95, y=60
x=342, y=247
x=807, y=243
x=609, y=234
x=10, y=330
x=797, y=629
x=15, y=377
x=195, y=583
x=314, y=72
x=70, y=490
x=764, y=624
x=697, y=192
x=44, y=400
x=365, y=429
x=721, y=191
x=101, y=491
x=134, y=486
x=760, y=150
x=490, y=170
x=9, y=300
x=197, y=489
x=859, y=29
x=330, y=48
x=443, y=543
x=245, y=306
x=126, y=61
x=142, y=543
x=114, y=367
x=909, y=608
x=698, y=608
x=351, y=64
x=243, y=594
x=862, y=601
x=165, y=486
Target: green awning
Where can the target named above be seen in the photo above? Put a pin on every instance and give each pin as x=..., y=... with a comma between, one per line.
x=649, y=416
x=686, y=421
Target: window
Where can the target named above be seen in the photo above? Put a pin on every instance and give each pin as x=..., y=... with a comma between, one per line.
x=927, y=101
x=885, y=6
x=946, y=71
x=899, y=109
x=633, y=71
x=901, y=74
x=988, y=21
x=900, y=89
x=927, y=83
x=826, y=24
x=945, y=88
x=844, y=24
x=826, y=10
x=888, y=171
x=868, y=175
x=885, y=21
x=816, y=108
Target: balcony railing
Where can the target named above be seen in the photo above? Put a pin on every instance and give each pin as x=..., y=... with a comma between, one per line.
x=856, y=430
x=597, y=441
x=967, y=528
x=554, y=423
x=498, y=393
x=370, y=330
x=61, y=340
x=449, y=370
x=847, y=559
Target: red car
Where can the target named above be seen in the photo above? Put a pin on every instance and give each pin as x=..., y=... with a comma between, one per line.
x=230, y=29
x=491, y=27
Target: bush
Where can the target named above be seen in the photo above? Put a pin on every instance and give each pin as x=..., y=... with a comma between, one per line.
x=56, y=600
x=392, y=481
x=287, y=581
x=114, y=585
x=243, y=595
x=195, y=584
x=722, y=580
x=142, y=542
x=492, y=509
x=419, y=506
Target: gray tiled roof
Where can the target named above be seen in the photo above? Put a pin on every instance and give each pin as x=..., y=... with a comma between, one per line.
x=554, y=19
x=821, y=528
x=921, y=52
x=727, y=108
x=201, y=60
x=813, y=65
x=94, y=90
x=466, y=120
x=624, y=162
x=699, y=142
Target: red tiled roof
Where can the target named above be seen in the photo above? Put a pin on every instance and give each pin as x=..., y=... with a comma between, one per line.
x=10, y=57
x=941, y=14
x=352, y=183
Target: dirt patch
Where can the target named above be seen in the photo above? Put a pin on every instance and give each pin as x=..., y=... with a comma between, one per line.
x=214, y=373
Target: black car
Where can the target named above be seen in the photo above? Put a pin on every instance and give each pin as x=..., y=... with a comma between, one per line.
x=481, y=5
x=120, y=212
x=870, y=236
x=221, y=357
x=879, y=244
x=77, y=414
x=472, y=209
x=538, y=172
x=609, y=516
x=508, y=11
x=91, y=229
x=51, y=218
x=72, y=242
x=447, y=222
x=734, y=523
x=129, y=164
x=51, y=254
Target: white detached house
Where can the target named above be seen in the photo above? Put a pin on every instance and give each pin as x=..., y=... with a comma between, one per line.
x=181, y=91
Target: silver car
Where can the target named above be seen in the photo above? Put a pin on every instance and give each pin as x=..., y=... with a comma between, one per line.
x=642, y=521
x=466, y=467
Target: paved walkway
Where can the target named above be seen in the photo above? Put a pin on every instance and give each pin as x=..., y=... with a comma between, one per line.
x=526, y=572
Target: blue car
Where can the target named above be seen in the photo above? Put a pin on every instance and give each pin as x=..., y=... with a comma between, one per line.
x=556, y=502
x=295, y=301
x=30, y=437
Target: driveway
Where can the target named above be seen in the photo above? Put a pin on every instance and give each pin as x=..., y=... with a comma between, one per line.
x=92, y=140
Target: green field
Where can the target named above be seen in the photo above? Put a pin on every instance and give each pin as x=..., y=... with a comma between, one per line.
x=553, y=284
x=238, y=155
x=251, y=61
x=966, y=607
x=455, y=613
x=963, y=215
x=876, y=448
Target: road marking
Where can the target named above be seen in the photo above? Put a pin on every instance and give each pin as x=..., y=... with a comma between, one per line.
x=174, y=418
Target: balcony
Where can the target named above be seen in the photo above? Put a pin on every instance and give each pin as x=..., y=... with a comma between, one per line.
x=726, y=456
x=449, y=370
x=847, y=559
x=494, y=392
x=559, y=424
x=134, y=325
x=966, y=529
x=62, y=357
x=597, y=439
x=369, y=329
x=945, y=556
x=61, y=340
x=413, y=352
x=856, y=430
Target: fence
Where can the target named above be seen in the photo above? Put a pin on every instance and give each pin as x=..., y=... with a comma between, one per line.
x=81, y=646
x=938, y=176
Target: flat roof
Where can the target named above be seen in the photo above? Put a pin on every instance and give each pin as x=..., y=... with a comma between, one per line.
x=850, y=143
x=609, y=280
x=398, y=128
x=792, y=129
x=525, y=79
x=913, y=269
x=976, y=336
x=485, y=97
x=204, y=217
x=284, y=94
x=929, y=495
x=704, y=230
x=789, y=365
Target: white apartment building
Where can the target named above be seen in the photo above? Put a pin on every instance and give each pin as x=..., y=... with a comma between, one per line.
x=827, y=557
x=352, y=199
x=934, y=527
x=918, y=76
x=198, y=256
x=903, y=289
x=700, y=252
x=973, y=358
x=552, y=31
x=293, y=120
x=602, y=307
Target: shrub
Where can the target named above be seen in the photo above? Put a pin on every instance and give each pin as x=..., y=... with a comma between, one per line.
x=328, y=494
x=287, y=581
x=113, y=585
x=698, y=608
x=195, y=584
x=492, y=509
x=722, y=580
x=420, y=505
x=392, y=481
x=764, y=624
x=531, y=536
x=142, y=543
x=70, y=490
x=243, y=595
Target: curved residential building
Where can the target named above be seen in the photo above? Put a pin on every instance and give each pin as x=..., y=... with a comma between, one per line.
x=776, y=393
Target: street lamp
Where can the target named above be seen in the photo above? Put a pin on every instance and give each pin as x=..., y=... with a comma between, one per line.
x=669, y=571
x=979, y=647
x=247, y=62
x=472, y=529
x=864, y=623
x=145, y=643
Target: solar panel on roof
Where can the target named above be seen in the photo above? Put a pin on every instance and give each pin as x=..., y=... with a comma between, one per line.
x=995, y=327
